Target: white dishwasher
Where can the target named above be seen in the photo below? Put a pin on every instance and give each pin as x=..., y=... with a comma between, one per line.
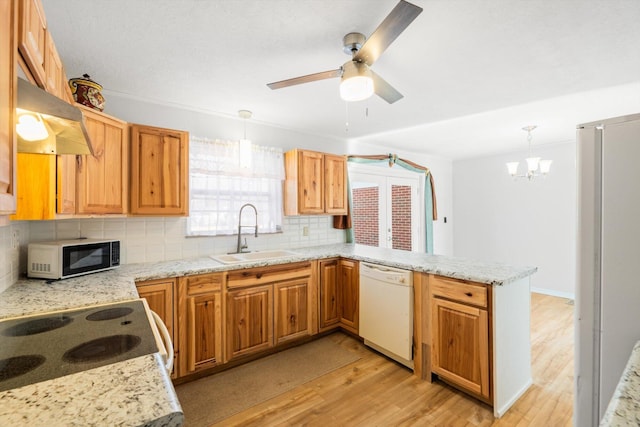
x=386, y=311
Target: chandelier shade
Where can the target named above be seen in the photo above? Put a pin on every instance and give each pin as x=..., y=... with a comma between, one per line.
x=535, y=165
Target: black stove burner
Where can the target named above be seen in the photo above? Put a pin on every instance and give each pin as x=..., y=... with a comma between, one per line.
x=101, y=348
x=110, y=313
x=37, y=326
x=19, y=365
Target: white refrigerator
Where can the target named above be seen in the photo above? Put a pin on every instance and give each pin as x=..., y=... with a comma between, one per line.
x=608, y=267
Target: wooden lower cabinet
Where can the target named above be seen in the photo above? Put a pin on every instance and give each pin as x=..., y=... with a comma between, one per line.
x=329, y=298
x=203, y=347
x=161, y=298
x=291, y=308
x=249, y=320
x=339, y=294
x=349, y=284
x=460, y=336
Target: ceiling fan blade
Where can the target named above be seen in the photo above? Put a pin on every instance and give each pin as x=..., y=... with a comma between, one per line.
x=395, y=23
x=384, y=90
x=306, y=79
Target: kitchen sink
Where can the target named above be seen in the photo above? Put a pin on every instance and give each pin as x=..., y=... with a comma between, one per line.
x=252, y=256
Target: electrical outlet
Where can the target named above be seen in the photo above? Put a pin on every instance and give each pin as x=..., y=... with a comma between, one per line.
x=305, y=231
x=15, y=239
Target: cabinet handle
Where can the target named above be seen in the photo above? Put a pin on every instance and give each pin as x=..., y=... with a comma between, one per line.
x=469, y=294
x=258, y=275
x=79, y=163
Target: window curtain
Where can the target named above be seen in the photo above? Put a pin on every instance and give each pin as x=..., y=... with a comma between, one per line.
x=224, y=175
x=431, y=209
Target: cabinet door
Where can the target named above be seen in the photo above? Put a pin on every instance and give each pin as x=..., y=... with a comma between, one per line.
x=249, y=317
x=460, y=345
x=32, y=38
x=329, y=297
x=36, y=182
x=53, y=68
x=8, y=91
x=159, y=171
x=102, y=178
x=291, y=307
x=335, y=184
x=204, y=313
x=66, y=184
x=349, y=281
x=160, y=296
x=310, y=182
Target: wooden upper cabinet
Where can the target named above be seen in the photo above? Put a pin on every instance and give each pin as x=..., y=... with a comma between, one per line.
x=159, y=171
x=66, y=183
x=315, y=183
x=8, y=91
x=52, y=67
x=310, y=182
x=335, y=184
x=56, y=78
x=103, y=178
x=32, y=39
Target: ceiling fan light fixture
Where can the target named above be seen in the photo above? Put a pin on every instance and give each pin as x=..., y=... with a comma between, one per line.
x=357, y=82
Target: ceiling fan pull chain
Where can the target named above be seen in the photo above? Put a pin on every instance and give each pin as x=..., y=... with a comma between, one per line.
x=346, y=115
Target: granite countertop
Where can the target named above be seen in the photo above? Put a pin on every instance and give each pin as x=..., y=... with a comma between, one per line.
x=135, y=392
x=624, y=407
x=115, y=392
x=483, y=272
x=129, y=393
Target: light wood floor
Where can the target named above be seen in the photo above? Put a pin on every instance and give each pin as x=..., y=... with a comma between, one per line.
x=377, y=392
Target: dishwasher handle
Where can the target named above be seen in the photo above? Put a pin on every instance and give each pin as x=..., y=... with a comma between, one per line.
x=167, y=341
x=386, y=274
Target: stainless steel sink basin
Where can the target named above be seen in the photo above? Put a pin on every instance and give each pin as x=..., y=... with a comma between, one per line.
x=252, y=256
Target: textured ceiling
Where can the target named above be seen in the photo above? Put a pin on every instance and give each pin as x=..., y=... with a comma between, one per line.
x=473, y=73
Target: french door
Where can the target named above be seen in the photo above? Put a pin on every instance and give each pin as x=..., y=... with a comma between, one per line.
x=386, y=209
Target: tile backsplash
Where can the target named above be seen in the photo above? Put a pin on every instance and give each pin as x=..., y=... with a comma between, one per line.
x=153, y=239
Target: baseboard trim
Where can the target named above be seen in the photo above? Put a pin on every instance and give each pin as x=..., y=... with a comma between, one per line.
x=568, y=295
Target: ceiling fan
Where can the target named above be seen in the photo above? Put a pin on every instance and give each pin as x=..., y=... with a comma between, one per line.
x=358, y=80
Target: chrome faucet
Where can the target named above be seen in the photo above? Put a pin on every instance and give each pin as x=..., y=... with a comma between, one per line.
x=240, y=248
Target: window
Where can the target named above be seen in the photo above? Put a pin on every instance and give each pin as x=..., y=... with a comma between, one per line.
x=386, y=206
x=224, y=176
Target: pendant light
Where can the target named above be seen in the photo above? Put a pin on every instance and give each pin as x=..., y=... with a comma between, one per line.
x=535, y=165
x=244, y=145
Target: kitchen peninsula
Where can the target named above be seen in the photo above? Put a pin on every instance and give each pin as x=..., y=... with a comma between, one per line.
x=506, y=289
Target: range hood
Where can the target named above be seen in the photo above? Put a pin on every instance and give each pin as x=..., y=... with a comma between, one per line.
x=64, y=123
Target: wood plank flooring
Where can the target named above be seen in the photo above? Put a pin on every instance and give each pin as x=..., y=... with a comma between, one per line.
x=375, y=391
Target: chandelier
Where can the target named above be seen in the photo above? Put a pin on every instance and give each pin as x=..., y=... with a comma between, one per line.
x=535, y=166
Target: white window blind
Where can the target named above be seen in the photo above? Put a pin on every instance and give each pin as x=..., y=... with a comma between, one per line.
x=223, y=177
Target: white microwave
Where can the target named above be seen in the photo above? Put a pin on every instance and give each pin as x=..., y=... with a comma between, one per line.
x=62, y=259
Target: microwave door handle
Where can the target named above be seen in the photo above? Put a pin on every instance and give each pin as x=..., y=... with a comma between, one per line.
x=167, y=340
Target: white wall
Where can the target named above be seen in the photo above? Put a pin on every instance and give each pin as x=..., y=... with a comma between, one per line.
x=519, y=222
x=13, y=238
x=202, y=124
x=163, y=239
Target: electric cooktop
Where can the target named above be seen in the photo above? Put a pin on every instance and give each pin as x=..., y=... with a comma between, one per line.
x=46, y=346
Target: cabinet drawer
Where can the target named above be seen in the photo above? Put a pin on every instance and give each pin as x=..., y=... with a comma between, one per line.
x=264, y=275
x=204, y=283
x=459, y=290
